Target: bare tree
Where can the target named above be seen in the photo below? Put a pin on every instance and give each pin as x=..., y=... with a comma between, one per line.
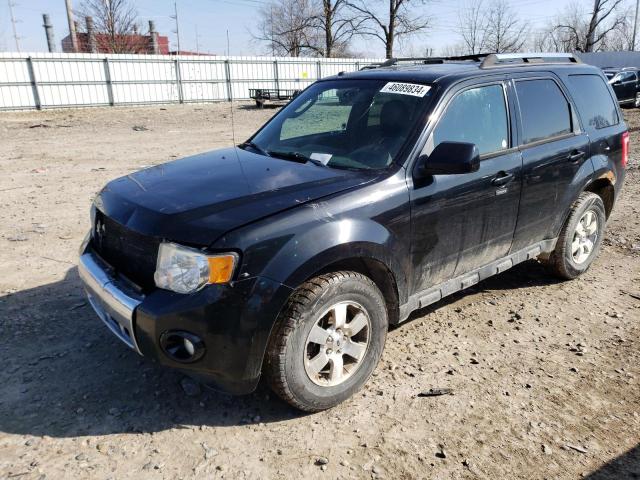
x=338, y=24
x=491, y=27
x=398, y=22
x=621, y=37
x=289, y=27
x=504, y=32
x=453, y=50
x=472, y=27
x=573, y=30
x=598, y=29
x=117, y=23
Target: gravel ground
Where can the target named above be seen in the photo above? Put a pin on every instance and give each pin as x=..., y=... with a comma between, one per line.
x=545, y=374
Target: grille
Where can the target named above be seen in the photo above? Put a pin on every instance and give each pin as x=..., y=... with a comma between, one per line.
x=131, y=254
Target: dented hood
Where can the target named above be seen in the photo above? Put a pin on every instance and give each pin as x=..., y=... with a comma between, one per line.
x=197, y=199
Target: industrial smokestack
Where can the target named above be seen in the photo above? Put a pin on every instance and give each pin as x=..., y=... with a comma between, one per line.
x=72, y=27
x=48, y=30
x=91, y=36
x=154, y=38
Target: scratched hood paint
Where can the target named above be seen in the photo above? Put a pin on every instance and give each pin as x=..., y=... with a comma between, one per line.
x=197, y=199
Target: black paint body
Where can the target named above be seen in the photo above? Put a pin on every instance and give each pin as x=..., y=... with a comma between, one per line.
x=288, y=221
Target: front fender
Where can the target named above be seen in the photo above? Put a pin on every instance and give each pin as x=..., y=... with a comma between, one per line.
x=371, y=222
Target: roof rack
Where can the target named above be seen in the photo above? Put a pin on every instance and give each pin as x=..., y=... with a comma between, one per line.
x=425, y=60
x=524, y=59
x=487, y=60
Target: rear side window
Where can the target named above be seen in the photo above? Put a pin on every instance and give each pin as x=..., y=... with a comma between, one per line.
x=544, y=110
x=593, y=100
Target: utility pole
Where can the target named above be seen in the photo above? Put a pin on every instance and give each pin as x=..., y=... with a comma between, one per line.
x=635, y=27
x=273, y=47
x=197, y=41
x=177, y=30
x=13, y=24
x=48, y=30
x=72, y=27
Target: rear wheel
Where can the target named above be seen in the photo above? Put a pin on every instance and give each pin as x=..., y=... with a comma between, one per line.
x=580, y=239
x=328, y=341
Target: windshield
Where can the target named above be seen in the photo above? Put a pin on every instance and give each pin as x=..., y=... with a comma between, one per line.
x=357, y=124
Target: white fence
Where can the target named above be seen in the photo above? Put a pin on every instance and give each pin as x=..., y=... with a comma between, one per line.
x=50, y=80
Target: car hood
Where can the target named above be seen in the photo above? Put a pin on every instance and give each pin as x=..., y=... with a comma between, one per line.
x=197, y=199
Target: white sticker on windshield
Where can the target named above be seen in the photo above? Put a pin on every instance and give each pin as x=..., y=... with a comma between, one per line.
x=412, y=89
x=321, y=157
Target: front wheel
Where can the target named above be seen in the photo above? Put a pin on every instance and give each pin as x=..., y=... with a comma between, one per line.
x=580, y=239
x=327, y=342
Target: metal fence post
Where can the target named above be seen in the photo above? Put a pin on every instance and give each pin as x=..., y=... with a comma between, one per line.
x=227, y=72
x=107, y=78
x=179, y=80
x=357, y=66
x=319, y=70
x=276, y=75
x=34, y=84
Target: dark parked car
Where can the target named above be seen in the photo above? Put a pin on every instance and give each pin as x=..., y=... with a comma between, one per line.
x=626, y=85
x=369, y=196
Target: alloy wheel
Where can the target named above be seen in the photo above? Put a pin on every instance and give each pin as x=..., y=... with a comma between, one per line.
x=584, y=237
x=337, y=344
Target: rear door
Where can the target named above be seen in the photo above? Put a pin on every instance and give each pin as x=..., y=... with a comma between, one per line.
x=460, y=222
x=554, y=148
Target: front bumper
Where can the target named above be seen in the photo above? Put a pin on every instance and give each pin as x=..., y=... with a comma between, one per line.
x=234, y=321
x=114, y=303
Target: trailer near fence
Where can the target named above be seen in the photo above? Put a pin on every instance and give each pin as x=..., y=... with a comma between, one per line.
x=51, y=80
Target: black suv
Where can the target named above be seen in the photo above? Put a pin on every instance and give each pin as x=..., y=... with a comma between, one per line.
x=370, y=195
x=626, y=85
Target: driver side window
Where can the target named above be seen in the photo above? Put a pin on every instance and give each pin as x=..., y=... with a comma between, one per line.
x=477, y=115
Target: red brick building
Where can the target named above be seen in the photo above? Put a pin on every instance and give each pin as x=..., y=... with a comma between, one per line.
x=121, y=44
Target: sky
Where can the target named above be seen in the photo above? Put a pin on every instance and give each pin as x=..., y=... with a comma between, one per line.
x=211, y=19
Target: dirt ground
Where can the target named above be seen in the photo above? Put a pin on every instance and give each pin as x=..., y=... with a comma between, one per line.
x=545, y=374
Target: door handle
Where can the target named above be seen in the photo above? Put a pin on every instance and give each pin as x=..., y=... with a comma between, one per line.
x=576, y=156
x=502, y=178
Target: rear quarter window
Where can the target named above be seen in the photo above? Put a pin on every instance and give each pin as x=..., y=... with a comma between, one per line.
x=544, y=110
x=594, y=102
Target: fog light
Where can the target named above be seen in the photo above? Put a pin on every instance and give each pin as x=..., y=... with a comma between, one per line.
x=183, y=347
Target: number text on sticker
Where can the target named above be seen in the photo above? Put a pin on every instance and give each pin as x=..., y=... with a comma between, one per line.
x=412, y=89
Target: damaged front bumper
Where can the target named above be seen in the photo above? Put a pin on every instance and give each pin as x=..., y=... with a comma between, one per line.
x=233, y=322
x=114, y=303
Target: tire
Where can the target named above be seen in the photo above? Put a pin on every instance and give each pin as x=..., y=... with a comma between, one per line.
x=289, y=369
x=565, y=261
x=636, y=101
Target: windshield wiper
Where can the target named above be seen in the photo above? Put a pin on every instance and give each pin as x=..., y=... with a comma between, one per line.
x=256, y=147
x=295, y=156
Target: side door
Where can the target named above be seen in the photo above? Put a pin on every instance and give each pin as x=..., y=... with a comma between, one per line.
x=554, y=148
x=618, y=87
x=625, y=86
x=460, y=222
x=628, y=83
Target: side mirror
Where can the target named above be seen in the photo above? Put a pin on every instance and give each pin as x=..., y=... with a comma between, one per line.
x=449, y=158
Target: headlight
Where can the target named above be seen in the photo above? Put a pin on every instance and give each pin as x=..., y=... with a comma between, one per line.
x=186, y=270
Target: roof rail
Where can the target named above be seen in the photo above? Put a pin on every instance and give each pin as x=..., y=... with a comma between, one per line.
x=425, y=60
x=523, y=59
